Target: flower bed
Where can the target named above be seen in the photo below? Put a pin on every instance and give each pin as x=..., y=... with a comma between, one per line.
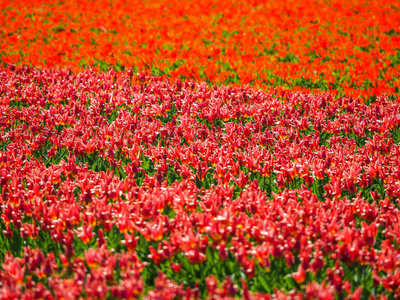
x=115, y=185
x=346, y=47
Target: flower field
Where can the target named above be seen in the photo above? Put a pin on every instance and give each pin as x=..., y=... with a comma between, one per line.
x=208, y=150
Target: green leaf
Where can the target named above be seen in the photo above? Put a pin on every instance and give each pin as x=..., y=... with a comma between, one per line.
x=267, y=288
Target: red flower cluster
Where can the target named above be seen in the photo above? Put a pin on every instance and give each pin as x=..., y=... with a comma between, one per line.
x=116, y=185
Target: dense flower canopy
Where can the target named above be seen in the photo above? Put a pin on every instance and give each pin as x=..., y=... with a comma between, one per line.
x=343, y=46
x=199, y=149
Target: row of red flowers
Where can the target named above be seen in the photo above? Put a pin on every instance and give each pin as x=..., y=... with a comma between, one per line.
x=117, y=185
x=348, y=47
